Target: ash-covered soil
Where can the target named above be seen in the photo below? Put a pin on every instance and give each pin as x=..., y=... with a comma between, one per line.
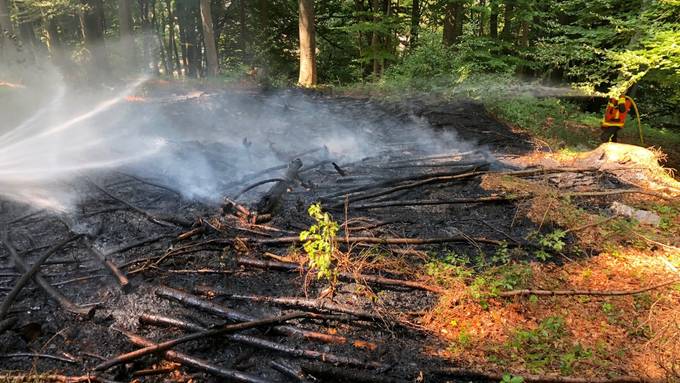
x=134, y=215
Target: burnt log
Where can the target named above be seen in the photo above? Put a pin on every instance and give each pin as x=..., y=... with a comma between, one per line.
x=270, y=202
x=265, y=344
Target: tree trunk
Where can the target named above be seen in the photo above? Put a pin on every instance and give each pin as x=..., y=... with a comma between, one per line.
x=493, y=20
x=5, y=21
x=375, y=40
x=171, y=36
x=209, y=38
x=482, y=17
x=166, y=57
x=243, y=33
x=92, y=29
x=307, y=44
x=508, y=15
x=415, y=22
x=453, y=22
x=54, y=43
x=126, y=39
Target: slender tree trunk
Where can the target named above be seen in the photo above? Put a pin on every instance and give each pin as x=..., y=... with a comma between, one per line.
x=493, y=20
x=53, y=42
x=375, y=39
x=5, y=21
x=482, y=17
x=307, y=44
x=166, y=57
x=126, y=39
x=171, y=36
x=92, y=29
x=415, y=22
x=243, y=33
x=209, y=38
x=453, y=22
x=508, y=15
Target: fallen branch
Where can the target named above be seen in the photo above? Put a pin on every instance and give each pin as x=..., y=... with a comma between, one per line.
x=237, y=316
x=270, y=201
x=36, y=355
x=513, y=293
x=314, y=304
x=374, y=279
x=256, y=184
x=196, y=363
x=130, y=356
x=375, y=205
x=290, y=371
x=64, y=302
x=477, y=374
x=120, y=276
x=36, y=377
x=382, y=241
x=28, y=275
x=130, y=206
x=265, y=344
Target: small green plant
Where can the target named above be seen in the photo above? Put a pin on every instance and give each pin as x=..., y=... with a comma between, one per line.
x=508, y=378
x=320, y=243
x=553, y=241
x=502, y=255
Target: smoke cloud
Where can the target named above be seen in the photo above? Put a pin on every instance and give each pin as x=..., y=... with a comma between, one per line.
x=52, y=134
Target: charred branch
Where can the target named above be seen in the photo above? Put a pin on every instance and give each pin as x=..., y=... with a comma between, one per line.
x=272, y=199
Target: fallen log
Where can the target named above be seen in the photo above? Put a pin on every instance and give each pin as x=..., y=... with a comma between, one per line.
x=478, y=374
x=373, y=279
x=375, y=205
x=265, y=344
x=272, y=199
x=382, y=241
x=237, y=316
x=393, y=181
x=64, y=302
x=163, y=346
x=522, y=292
x=28, y=275
x=196, y=363
x=313, y=304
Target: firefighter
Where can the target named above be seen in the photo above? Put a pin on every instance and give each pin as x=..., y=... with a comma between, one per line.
x=615, y=117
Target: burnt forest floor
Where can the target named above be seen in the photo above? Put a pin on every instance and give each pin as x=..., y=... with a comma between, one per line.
x=441, y=195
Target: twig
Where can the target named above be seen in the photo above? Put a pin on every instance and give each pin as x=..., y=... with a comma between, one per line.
x=376, y=205
x=288, y=370
x=383, y=241
x=159, y=347
x=253, y=186
x=512, y=293
x=36, y=377
x=315, y=304
x=36, y=355
x=26, y=277
x=196, y=363
x=142, y=212
x=342, y=275
x=120, y=276
x=79, y=279
x=233, y=315
x=265, y=344
x=49, y=289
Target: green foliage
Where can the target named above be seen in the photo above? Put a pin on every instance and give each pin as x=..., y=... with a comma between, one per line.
x=508, y=378
x=551, y=242
x=547, y=347
x=320, y=243
x=448, y=269
x=497, y=279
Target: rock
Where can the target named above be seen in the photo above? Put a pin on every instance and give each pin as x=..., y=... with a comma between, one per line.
x=643, y=216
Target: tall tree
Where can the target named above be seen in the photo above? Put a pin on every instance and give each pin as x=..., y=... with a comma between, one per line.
x=5, y=20
x=508, y=16
x=415, y=21
x=209, y=38
x=91, y=17
x=125, y=25
x=307, y=44
x=172, y=41
x=453, y=21
x=493, y=19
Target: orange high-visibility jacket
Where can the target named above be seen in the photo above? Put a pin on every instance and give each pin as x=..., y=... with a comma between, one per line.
x=616, y=112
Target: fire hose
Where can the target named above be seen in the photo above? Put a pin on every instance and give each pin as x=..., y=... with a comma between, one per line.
x=637, y=114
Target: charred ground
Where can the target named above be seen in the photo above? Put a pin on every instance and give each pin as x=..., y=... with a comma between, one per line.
x=169, y=246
